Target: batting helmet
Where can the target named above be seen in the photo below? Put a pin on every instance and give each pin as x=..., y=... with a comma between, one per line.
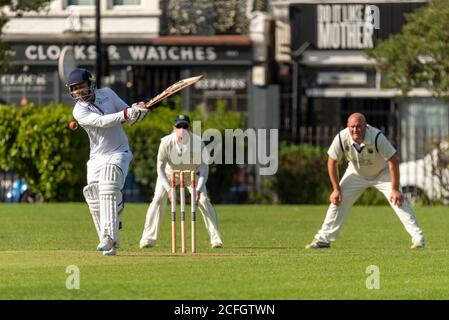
x=78, y=76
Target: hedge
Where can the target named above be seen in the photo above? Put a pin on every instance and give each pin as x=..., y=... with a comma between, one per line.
x=36, y=143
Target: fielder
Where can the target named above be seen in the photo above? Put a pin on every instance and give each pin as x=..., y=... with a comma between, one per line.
x=373, y=162
x=101, y=113
x=178, y=144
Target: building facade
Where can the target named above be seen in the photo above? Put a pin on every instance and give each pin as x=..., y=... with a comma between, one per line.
x=331, y=76
x=140, y=58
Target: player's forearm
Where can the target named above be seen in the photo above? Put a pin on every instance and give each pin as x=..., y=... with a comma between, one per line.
x=103, y=121
x=332, y=168
x=203, y=175
x=393, y=165
x=161, y=174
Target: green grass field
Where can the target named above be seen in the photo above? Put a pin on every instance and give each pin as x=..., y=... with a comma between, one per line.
x=263, y=256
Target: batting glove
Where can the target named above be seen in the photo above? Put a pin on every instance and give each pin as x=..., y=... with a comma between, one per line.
x=136, y=113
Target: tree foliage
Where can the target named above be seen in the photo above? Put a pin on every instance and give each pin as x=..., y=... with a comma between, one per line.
x=419, y=55
x=205, y=17
x=36, y=143
x=144, y=138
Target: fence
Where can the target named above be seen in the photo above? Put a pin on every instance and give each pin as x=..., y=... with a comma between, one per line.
x=417, y=148
x=322, y=136
x=423, y=176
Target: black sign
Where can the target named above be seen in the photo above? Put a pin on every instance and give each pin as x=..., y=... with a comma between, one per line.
x=353, y=26
x=18, y=81
x=135, y=53
x=36, y=84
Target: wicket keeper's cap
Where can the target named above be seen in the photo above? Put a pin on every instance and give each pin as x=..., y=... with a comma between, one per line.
x=79, y=75
x=182, y=119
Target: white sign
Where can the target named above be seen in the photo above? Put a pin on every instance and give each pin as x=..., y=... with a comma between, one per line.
x=343, y=26
x=342, y=78
x=259, y=75
x=221, y=84
x=132, y=52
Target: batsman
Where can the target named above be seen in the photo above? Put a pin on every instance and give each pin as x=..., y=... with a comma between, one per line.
x=173, y=150
x=101, y=113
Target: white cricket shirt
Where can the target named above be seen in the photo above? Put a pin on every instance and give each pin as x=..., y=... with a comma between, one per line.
x=102, y=120
x=367, y=159
x=171, y=155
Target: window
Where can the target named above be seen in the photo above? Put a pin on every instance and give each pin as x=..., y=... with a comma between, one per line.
x=80, y=2
x=125, y=2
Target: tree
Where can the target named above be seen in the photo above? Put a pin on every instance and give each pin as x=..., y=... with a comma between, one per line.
x=419, y=55
x=15, y=8
x=206, y=17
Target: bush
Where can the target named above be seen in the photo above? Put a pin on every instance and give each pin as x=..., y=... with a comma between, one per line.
x=302, y=174
x=303, y=178
x=43, y=151
x=372, y=197
x=144, y=138
x=9, y=129
x=37, y=144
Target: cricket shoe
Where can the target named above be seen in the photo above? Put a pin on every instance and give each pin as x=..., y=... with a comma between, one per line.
x=106, y=244
x=315, y=244
x=111, y=252
x=417, y=245
x=117, y=243
x=147, y=243
x=216, y=245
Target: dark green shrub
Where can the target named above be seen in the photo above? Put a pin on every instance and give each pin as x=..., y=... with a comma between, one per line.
x=49, y=156
x=144, y=138
x=302, y=174
x=9, y=129
x=372, y=197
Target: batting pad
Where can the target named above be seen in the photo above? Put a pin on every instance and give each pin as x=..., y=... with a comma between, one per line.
x=91, y=194
x=111, y=199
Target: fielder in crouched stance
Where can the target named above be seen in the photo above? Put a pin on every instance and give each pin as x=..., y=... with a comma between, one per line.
x=373, y=162
x=174, y=146
x=101, y=113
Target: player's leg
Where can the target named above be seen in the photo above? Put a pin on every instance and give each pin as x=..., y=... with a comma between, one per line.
x=405, y=212
x=210, y=218
x=111, y=199
x=154, y=217
x=352, y=186
x=91, y=194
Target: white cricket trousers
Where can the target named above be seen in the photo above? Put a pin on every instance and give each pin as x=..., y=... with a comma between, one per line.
x=155, y=213
x=94, y=169
x=352, y=186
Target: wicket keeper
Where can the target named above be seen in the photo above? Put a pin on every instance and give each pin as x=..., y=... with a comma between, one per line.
x=179, y=142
